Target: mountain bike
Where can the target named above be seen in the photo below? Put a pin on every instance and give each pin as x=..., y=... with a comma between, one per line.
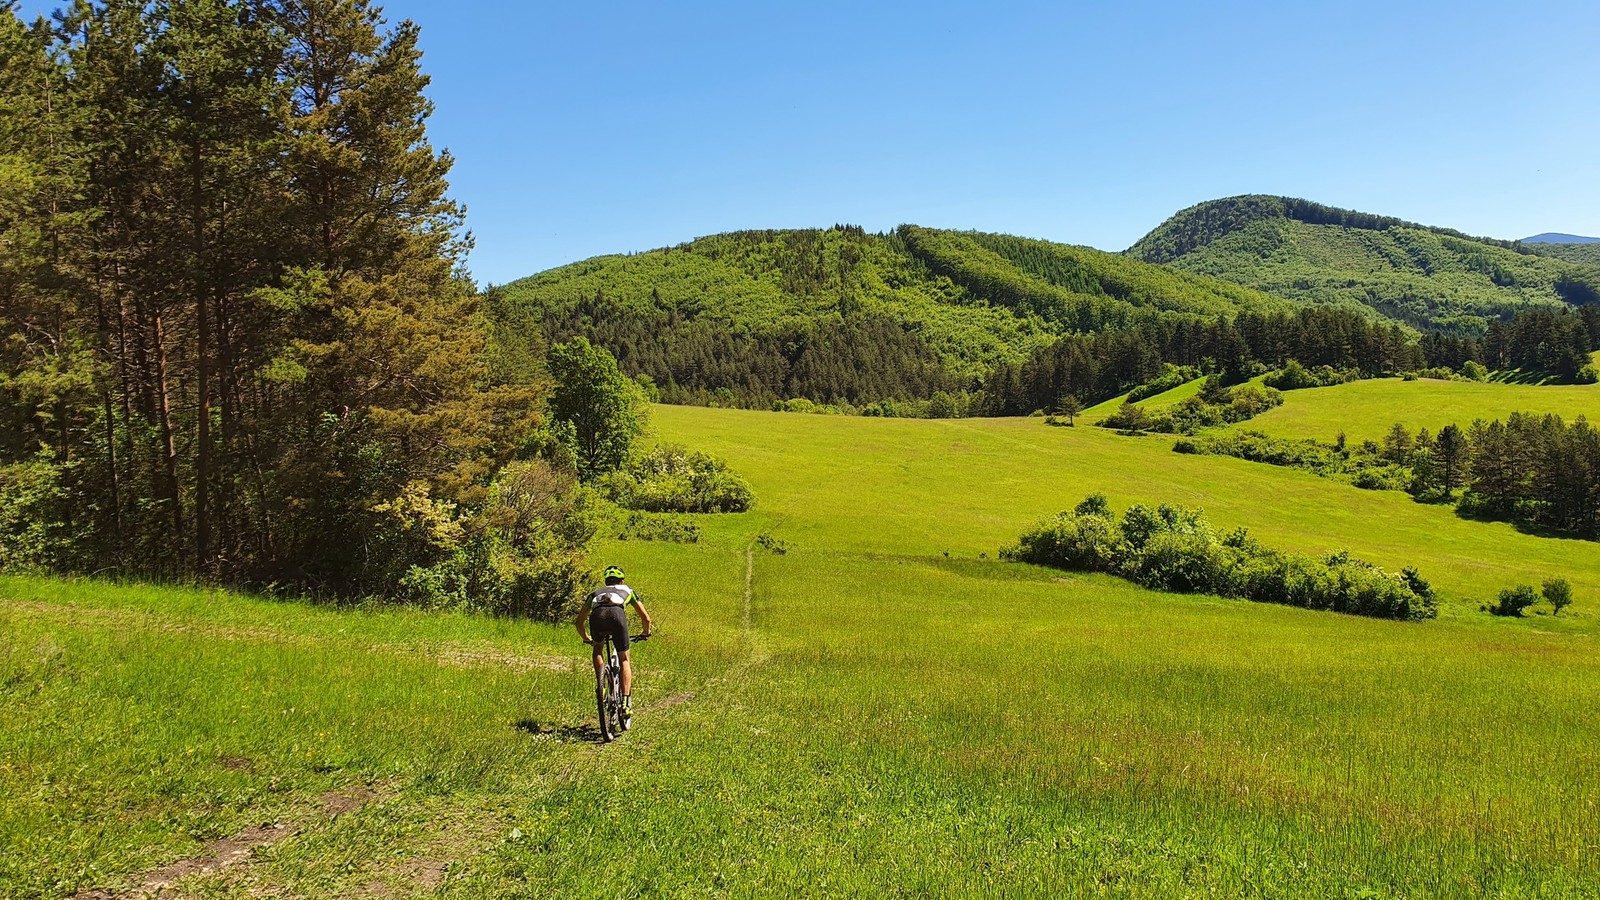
x=608, y=691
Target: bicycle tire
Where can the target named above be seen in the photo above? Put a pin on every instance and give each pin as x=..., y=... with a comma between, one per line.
x=614, y=666
x=602, y=697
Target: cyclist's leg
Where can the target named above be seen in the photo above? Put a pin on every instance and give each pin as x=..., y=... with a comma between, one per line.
x=597, y=645
x=627, y=673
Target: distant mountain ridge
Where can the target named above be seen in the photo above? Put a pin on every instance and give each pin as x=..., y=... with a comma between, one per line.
x=1556, y=237
x=973, y=299
x=1432, y=278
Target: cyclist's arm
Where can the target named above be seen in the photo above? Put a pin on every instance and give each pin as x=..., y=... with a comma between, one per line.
x=581, y=621
x=643, y=616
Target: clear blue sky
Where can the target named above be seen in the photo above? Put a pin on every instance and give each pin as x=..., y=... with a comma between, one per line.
x=596, y=127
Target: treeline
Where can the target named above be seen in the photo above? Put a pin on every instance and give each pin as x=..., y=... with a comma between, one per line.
x=858, y=359
x=869, y=360
x=1100, y=366
x=239, y=343
x=1536, y=470
x=1557, y=341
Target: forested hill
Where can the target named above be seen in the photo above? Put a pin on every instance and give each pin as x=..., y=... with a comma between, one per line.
x=1433, y=278
x=842, y=313
x=1587, y=252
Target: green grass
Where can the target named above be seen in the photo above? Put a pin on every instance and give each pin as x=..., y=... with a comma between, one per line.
x=880, y=718
x=1366, y=410
x=1159, y=401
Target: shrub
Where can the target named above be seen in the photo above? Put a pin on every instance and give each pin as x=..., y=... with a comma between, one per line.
x=1294, y=376
x=1559, y=594
x=523, y=555
x=1169, y=547
x=1589, y=374
x=1472, y=370
x=1128, y=417
x=35, y=507
x=1512, y=601
x=1093, y=505
x=670, y=478
x=1215, y=406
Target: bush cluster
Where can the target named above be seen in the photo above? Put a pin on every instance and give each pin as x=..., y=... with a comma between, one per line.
x=671, y=478
x=1363, y=466
x=1293, y=376
x=1174, y=548
x=523, y=554
x=1215, y=405
x=1513, y=600
x=1171, y=376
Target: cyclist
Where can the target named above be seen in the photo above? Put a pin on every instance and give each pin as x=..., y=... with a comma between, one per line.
x=605, y=613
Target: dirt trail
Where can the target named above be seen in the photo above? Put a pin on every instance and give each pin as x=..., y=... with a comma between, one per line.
x=240, y=849
x=454, y=837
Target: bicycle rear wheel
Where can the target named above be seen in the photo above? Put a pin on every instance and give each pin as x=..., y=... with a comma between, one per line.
x=614, y=690
x=603, y=695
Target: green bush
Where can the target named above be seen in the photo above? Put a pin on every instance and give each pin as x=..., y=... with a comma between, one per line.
x=35, y=509
x=1221, y=406
x=524, y=554
x=1512, y=601
x=1129, y=416
x=1294, y=376
x=1363, y=466
x=671, y=478
x=1558, y=592
x=1174, y=548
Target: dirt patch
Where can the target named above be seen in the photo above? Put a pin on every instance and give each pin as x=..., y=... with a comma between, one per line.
x=219, y=855
x=347, y=800
x=237, y=763
x=674, y=700
x=414, y=877
x=238, y=850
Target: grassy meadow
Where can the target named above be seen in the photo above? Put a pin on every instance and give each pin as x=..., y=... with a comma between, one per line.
x=1367, y=409
x=883, y=709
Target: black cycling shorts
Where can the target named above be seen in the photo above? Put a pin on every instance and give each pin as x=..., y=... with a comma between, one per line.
x=612, y=622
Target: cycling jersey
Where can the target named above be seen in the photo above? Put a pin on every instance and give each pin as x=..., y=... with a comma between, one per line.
x=611, y=595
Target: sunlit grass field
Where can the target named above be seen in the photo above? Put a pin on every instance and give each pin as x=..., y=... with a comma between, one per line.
x=1366, y=410
x=889, y=710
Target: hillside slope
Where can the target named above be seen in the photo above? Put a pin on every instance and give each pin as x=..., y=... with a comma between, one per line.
x=1587, y=252
x=796, y=313
x=1429, y=277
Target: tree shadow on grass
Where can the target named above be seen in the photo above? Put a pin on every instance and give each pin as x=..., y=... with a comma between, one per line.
x=561, y=733
x=1523, y=525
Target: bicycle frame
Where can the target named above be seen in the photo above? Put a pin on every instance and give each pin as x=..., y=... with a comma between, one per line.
x=608, y=691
